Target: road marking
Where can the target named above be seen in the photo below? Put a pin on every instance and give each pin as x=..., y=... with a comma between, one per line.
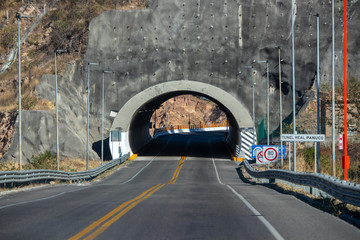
x=136, y=200
x=99, y=226
x=106, y=225
x=268, y=225
x=177, y=171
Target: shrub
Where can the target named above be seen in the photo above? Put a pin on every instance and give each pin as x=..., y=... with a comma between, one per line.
x=9, y=35
x=45, y=160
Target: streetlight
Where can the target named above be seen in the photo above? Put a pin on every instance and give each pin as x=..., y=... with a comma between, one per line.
x=253, y=97
x=267, y=101
x=189, y=111
x=57, y=112
x=293, y=77
x=102, y=118
x=19, y=17
x=88, y=114
x=317, y=149
x=333, y=86
x=280, y=102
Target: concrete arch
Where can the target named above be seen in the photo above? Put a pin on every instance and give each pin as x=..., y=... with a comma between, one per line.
x=132, y=121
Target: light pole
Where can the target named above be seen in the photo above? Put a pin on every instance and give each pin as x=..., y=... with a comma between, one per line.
x=102, y=117
x=19, y=17
x=189, y=112
x=57, y=111
x=333, y=86
x=317, y=159
x=293, y=76
x=280, y=102
x=253, y=99
x=88, y=114
x=267, y=100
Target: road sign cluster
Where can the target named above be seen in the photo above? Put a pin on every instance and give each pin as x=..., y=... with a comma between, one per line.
x=265, y=154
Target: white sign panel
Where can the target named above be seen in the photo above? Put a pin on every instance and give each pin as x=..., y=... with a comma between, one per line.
x=271, y=154
x=267, y=154
x=303, y=137
x=341, y=141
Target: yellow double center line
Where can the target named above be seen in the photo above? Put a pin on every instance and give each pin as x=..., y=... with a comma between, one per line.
x=177, y=171
x=99, y=226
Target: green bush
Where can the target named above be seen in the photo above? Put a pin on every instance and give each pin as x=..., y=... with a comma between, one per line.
x=45, y=160
x=309, y=154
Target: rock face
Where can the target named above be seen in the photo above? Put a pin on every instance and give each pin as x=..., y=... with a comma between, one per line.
x=203, y=41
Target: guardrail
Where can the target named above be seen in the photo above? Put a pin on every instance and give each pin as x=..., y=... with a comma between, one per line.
x=178, y=127
x=7, y=177
x=345, y=191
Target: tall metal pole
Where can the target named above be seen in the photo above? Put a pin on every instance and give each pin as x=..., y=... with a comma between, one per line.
x=268, y=102
x=289, y=156
x=317, y=90
x=253, y=102
x=88, y=115
x=280, y=101
x=102, y=116
x=346, y=158
x=57, y=118
x=18, y=17
x=166, y=118
x=19, y=74
x=293, y=77
x=57, y=111
x=189, y=112
x=333, y=86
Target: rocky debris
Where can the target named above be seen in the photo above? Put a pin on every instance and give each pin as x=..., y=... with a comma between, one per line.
x=7, y=123
x=202, y=111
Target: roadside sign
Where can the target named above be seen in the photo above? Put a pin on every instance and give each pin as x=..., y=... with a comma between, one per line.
x=271, y=153
x=341, y=141
x=260, y=158
x=303, y=137
x=255, y=149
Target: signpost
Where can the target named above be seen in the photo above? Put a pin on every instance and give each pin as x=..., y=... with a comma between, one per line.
x=266, y=154
x=303, y=137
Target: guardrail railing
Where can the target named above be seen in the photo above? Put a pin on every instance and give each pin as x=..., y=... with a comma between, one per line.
x=7, y=177
x=192, y=126
x=345, y=191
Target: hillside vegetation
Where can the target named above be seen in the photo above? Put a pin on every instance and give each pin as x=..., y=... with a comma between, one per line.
x=65, y=26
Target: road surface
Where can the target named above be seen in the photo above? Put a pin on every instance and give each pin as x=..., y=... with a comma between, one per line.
x=182, y=186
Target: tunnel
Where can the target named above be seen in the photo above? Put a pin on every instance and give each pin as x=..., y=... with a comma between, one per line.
x=130, y=128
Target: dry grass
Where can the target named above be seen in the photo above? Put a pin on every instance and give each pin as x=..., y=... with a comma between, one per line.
x=67, y=165
x=77, y=165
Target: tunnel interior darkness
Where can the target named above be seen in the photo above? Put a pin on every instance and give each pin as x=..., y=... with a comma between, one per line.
x=141, y=118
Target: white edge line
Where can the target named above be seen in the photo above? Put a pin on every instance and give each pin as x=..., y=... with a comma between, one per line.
x=41, y=199
x=268, y=225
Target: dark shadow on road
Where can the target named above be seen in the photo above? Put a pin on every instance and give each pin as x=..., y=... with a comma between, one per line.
x=188, y=144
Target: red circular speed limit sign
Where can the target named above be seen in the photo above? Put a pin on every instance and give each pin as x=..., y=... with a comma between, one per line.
x=260, y=157
x=271, y=154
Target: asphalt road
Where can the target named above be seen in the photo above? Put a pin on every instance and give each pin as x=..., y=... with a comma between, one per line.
x=180, y=187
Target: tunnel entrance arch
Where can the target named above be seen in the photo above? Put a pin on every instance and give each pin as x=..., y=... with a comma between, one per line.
x=130, y=128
